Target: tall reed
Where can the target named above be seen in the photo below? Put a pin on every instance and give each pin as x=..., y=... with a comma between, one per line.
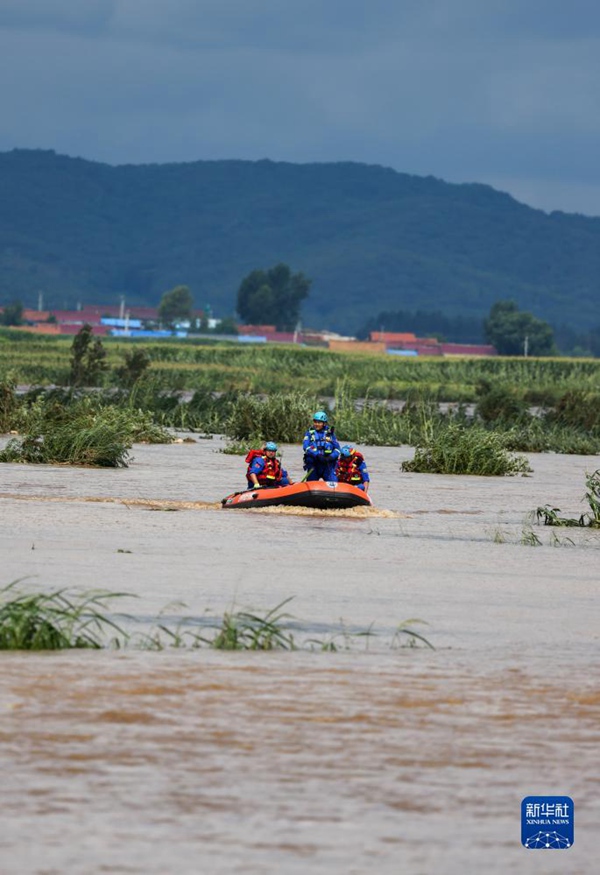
x=56, y=620
x=82, y=433
x=459, y=450
x=280, y=417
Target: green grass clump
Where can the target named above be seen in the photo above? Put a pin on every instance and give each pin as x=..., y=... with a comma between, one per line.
x=371, y=422
x=244, y=630
x=282, y=418
x=456, y=449
x=237, y=630
x=540, y=435
x=237, y=448
x=591, y=519
x=8, y=403
x=248, y=630
x=579, y=409
x=285, y=418
x=55, y=620
x=83, y=432
x=498, y=403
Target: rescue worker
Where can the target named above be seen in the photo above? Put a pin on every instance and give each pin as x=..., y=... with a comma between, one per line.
x=321, y=449
x=352, y=468
x=264, y=468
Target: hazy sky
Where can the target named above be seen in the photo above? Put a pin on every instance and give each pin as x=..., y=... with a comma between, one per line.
x=499, y=91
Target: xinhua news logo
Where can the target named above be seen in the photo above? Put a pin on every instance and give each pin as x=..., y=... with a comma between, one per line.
x=547, y=822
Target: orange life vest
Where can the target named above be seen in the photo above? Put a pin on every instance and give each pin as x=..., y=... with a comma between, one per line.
x=271, y=473
x=348, y=468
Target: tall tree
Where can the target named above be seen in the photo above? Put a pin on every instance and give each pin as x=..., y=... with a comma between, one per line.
x=88, y=358
x=514, y=332
x=176, y=305
x=272, y=297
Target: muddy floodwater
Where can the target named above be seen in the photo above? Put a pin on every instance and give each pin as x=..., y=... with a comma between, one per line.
x=371, y=759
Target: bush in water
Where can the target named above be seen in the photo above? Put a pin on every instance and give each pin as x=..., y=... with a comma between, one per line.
x=282, y=418
x=83, y=433
x=459, y=450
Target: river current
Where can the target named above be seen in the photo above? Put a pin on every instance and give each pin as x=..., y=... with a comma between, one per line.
x=376, y=758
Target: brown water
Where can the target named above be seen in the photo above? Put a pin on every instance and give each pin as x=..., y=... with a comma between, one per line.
x=362, y=761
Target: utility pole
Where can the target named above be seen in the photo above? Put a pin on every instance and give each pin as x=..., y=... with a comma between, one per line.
x=526, y=346
x=40, y=301
x=122, y=308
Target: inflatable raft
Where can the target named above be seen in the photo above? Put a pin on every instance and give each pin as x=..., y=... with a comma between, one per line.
x=318, y=493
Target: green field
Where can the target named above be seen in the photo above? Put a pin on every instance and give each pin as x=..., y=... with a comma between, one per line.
x=262, y=369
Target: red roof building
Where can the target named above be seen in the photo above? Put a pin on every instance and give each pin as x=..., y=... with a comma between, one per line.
x=389, y=337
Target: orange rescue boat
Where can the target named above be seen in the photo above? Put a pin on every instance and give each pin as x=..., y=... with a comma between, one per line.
x=321, y=494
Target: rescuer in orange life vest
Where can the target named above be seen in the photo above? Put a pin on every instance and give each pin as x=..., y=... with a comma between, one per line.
x=352, y=468
x=264, y=468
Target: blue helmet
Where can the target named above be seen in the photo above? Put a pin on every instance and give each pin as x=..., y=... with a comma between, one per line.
x=271, y=445
x=320, y=416
x=346, y=451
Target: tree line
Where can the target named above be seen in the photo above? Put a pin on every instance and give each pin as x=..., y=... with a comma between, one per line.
x=275, y=296
x=510, y=330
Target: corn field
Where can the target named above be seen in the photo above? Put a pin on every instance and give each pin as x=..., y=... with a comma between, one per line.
x=187, y=365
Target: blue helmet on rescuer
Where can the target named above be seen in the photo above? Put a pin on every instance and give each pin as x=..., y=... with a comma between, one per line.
x=320, y=416
x=271, y=446
x=346, y=451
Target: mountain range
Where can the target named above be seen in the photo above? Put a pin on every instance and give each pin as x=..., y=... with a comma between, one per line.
x=371, y=239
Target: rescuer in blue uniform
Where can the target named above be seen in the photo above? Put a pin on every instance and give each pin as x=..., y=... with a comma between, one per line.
x=321, y=450
x=264, y=468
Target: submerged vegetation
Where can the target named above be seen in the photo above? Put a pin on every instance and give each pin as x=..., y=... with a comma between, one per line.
x=282, y=417
x=550, y=515
x=460, y=450
x=64, y=428
x=58, y=620
x=245, y=630
x=255, y=394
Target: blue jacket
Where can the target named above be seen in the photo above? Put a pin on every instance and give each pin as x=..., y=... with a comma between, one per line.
x=321, y=448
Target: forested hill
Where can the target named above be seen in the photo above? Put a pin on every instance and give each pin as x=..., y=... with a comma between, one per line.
x=370, y=238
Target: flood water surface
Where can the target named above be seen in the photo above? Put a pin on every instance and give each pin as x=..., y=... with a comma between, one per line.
x=374, y=758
